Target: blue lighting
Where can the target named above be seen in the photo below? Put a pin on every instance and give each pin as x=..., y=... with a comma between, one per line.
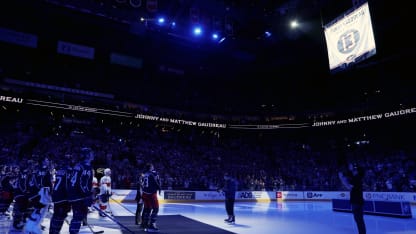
x=221, y=40
x=197, y=31
x=161, y=20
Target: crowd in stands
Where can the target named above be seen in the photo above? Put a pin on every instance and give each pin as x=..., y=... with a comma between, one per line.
x=192, y=158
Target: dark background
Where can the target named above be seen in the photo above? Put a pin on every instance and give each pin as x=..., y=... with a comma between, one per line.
x=248, y=73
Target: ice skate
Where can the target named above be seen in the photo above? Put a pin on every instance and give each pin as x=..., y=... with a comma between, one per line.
x=152, y=228
x=230, y=220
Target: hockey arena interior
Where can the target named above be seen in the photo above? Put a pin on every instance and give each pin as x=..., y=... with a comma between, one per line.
x=196, y=116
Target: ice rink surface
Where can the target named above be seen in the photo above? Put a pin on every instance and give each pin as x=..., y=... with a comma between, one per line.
x=312, y=217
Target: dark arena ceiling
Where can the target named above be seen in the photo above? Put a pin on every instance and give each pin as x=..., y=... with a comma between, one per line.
x=260, y=65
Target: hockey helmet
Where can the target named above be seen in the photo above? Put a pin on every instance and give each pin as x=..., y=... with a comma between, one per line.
x=107, y=171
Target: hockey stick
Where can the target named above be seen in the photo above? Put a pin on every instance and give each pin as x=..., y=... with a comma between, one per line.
x=113, y=219
x=89, y=226
x=92, y=230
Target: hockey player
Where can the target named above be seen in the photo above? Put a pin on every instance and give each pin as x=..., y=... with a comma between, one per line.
x=80, y=189
x=95, y=186
x=105, y=191
x=21, y=198
x=95, y=191
x=43, y=182
x=61, y=206
x=33, y=223
x=151, y=186
x=139, y=199
x=6, y=193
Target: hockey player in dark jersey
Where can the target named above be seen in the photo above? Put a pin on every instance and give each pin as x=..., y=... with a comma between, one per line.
x=139, y=199
x=150, y=187
x=31, y=198
x=80, y=189
x=21, y=198
x=95, y=191
x=61, y=205
x=42, y=180
x=33, y=187
x=6, y=191
x=44, y=177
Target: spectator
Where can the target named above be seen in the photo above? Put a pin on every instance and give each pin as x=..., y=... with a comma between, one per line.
x=229, y=188
x=354, y=182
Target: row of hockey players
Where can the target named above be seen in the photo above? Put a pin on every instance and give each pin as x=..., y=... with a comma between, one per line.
x=69, y=185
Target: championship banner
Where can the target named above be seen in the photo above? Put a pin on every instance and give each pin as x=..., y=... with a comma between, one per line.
x=350, y=39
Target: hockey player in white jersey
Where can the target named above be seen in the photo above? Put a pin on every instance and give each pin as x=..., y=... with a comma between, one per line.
x=105, y=191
